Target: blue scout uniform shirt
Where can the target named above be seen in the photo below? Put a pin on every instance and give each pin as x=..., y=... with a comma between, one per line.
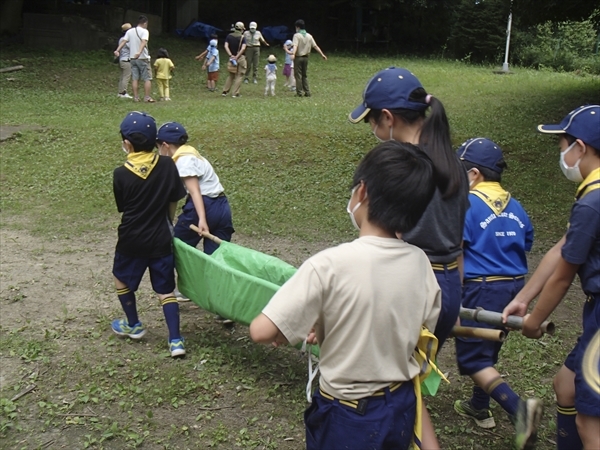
x=583, y=236
x=497, y=234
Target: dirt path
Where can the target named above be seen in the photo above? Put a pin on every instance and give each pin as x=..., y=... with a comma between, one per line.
x=59, y=293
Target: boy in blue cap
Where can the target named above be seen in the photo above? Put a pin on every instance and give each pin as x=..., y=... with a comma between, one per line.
x=496, y=237
x=146, y=188
x=366, y=301
x=206, y=206
x=577, y=384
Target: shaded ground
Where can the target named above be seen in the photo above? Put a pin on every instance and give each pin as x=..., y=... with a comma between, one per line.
x=94, y=390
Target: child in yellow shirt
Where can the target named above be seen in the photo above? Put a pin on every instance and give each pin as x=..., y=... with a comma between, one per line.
x=163, y=67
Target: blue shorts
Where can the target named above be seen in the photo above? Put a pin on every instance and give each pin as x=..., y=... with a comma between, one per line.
x=584, y=360
x=386, y=422
x=130, y=270
x=472, y=354
x=218, y=218
x=449, y=281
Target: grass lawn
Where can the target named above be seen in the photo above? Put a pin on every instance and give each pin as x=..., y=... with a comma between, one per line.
x=286, y=164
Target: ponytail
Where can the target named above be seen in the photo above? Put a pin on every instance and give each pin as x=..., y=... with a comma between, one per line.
x=435, y=140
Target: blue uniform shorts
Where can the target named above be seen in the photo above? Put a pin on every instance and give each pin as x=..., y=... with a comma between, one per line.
x=584, y=360
x=218, y=218
x=472, y=354
x=381, y=422
x=130, y=270
x=449, y=281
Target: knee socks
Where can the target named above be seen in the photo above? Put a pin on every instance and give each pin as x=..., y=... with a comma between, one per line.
x=480, y=399
x=171, y=311
x=567, y=437
x=127, y=299
x=504, y=395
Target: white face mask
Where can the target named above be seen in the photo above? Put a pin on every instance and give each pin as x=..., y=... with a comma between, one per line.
x=374, y=131
x=572, y=173
x=470, y=181
x=351, y=213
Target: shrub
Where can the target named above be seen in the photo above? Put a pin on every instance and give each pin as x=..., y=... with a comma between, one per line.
x=564, y=46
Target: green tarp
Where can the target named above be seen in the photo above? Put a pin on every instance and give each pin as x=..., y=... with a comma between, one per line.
x=237, y=282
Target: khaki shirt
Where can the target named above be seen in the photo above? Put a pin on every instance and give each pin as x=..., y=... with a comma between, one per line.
x=304, y=44
x=253, y=39
x=367, y=300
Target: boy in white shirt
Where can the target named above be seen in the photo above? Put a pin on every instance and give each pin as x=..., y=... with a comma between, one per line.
x=271, y=75
x=365, y=302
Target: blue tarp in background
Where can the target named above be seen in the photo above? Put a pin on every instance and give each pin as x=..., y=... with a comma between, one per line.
x=276, y=33
x=198, y=30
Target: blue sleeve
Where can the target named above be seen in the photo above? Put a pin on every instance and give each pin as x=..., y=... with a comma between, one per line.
x=584, y=228
x=468, y=219
x=528, y=235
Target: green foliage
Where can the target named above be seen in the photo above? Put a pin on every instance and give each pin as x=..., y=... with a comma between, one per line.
x=563, y=46
x=479, y=30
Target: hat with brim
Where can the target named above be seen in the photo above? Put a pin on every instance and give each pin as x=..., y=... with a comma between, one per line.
x=125, y=26
x=137, y=122
x=483, y=152
x=581, y=123
x=388, y=89
x=171, y=132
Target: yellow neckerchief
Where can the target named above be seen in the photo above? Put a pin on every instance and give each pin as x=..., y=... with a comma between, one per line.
x=424, y=353
x=141, y=163
x=186, y=150
x=493, y=195
x=591, y=183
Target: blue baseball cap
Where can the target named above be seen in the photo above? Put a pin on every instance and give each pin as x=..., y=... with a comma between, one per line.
x=581, y=123
x=172, y=133
x=388, y=89
x=483, y=152
x=139, y=122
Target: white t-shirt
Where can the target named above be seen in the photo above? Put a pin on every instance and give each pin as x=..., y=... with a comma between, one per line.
x=191, y=166
x=367, y=300
x=135, y=36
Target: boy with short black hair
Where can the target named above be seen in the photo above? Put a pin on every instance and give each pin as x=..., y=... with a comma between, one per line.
x=366, y=301
x=146, y=188
x=577, y=383
x=497, y=235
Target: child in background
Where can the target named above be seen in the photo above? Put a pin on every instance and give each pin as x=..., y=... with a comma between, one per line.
x=288, y=67
x=271, y=75
x=212, y=65
x=496, y=237
x=146, y=188
x=367, y=325
x=205, y=54
x=163, y=66
x=577, y=383
x=206, y=205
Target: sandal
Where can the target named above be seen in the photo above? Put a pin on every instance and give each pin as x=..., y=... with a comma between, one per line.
x=149, y=100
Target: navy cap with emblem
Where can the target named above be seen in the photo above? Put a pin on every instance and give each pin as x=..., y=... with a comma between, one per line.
x=483, y=152
x=581, y=123
x=388, y=89
x=139, y=122
x=172, y=133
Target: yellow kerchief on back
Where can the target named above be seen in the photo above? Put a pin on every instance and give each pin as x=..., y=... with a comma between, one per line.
x=141, y=163
x=493, y=195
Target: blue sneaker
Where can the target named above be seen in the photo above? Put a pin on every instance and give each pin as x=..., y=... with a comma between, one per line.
x=176, y=347
x=122, y=328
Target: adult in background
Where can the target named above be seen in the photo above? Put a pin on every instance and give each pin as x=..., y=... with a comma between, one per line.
x=137, y=39
x=124, y=64
x=303, y=44
x=253, y=40
x=235, y=46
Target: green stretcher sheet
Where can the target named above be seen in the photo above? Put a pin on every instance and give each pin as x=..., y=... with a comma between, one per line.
x=237, y=282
